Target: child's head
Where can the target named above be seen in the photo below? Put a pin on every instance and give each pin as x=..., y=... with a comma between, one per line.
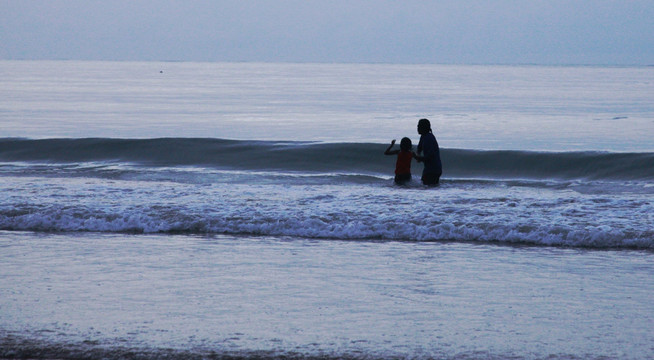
x=405, y=144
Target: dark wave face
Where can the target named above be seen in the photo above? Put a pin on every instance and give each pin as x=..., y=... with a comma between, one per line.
x=358, y=158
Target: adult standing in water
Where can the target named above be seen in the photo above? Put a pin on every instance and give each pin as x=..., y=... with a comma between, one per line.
x=429, y=154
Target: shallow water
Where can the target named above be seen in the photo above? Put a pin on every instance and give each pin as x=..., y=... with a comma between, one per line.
x=237, y=295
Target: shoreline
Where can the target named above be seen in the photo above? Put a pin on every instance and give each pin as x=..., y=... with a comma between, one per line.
x=293, y=296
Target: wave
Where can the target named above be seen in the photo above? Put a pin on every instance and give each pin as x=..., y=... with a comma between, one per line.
x=318, y=157
x=180, y=220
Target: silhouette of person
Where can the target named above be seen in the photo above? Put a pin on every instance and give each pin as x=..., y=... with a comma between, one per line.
x=429, y=154
x=403, y=163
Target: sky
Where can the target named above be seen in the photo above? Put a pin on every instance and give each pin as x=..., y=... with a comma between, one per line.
x=558, y=32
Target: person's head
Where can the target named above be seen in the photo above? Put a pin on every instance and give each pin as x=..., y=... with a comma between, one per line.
x=405, y=144
x=424, y=126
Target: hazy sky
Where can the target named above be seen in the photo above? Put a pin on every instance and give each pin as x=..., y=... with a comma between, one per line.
x=379, y=31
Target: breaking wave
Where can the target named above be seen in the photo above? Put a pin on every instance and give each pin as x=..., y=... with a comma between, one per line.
x=361, y=158
x=324, y=191
x=316, y=223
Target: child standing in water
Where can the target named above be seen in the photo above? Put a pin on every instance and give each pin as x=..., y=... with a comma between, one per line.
x=403, y=164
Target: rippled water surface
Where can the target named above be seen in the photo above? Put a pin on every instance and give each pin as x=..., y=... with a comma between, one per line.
x=198, y=210
x=382, y=299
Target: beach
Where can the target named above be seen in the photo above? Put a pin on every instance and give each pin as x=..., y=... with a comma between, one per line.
x=239, y=296
x=156, y=210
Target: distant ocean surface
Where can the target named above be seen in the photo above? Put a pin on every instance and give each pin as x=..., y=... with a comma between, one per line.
x=246, y=210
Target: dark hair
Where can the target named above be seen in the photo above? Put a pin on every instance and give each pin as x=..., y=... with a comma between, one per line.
x=405, y=144
x=424, y=123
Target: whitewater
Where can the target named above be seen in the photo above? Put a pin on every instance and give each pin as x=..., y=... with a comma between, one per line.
x=317, y=190
x=199, y=210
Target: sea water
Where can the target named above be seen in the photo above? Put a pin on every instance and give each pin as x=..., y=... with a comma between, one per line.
x=198, y=210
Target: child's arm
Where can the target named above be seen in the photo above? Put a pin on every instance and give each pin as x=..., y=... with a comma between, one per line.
x=389, y=152
x=417, y=157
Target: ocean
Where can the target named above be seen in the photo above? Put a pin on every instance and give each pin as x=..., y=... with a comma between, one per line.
x=247, y=210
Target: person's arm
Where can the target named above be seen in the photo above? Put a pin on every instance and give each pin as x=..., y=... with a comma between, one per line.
x=388, y=150
x=418, y=154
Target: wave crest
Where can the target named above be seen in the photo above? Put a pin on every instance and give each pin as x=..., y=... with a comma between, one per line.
x=359, y=158
x=334, y=226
